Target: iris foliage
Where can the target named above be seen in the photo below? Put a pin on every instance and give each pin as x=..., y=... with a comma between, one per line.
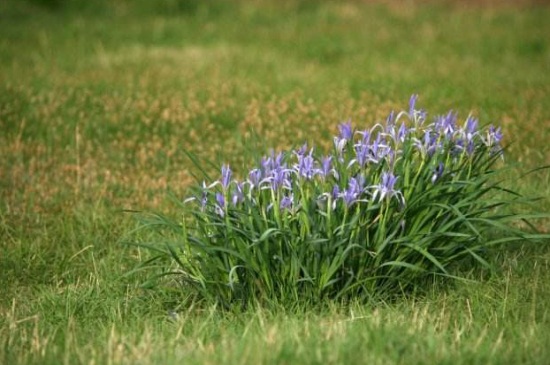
x=388, y=208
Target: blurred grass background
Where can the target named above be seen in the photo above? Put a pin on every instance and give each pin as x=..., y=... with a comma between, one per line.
x=98, y=101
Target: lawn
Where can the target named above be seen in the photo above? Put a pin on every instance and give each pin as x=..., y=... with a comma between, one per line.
x=99, y=102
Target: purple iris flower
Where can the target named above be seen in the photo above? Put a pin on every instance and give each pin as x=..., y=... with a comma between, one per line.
x=349, y=197
x=402, y=133
x=335, y=192
x=267, y=165
x=390, y=120
x=362, y=149
x=354, y=190
x=238, y=194
x=362, y=154
x=339, y=145
x=279, y=178
x=254, y=178
x=287, y=202
x=471, y=126
x=391, y=157
x=226, y=176
x=379, y=149
x=428, y=145
x=271, y=163
x=346, y=131
x=220, y=199
x=386, y=188
x=468, y=133
x=326, y=166
x=221, y=204
x=346, y=134
x=398, y=136
x=302, y=150
x=278, y=160
x=494, y=136
x=446, y=124
x=306, y=166
x=412, y=104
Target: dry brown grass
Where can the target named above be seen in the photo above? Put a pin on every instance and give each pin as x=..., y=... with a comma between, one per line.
x=129, y=149
x=113, y=126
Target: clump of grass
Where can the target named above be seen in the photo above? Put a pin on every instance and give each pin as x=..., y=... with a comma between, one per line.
x=389, y=207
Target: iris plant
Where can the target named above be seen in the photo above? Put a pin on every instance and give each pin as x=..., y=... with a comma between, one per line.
x=390, y=205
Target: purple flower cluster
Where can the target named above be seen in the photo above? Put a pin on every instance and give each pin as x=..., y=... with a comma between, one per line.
x=386, y=188
x=365, y=166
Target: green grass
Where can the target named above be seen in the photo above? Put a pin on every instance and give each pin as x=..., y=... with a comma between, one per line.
x=97, y=104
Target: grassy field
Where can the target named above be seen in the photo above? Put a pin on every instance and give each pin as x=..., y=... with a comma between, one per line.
x=98, y=103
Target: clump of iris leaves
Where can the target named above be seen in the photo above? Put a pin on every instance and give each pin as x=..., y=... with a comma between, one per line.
x=391, y=207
